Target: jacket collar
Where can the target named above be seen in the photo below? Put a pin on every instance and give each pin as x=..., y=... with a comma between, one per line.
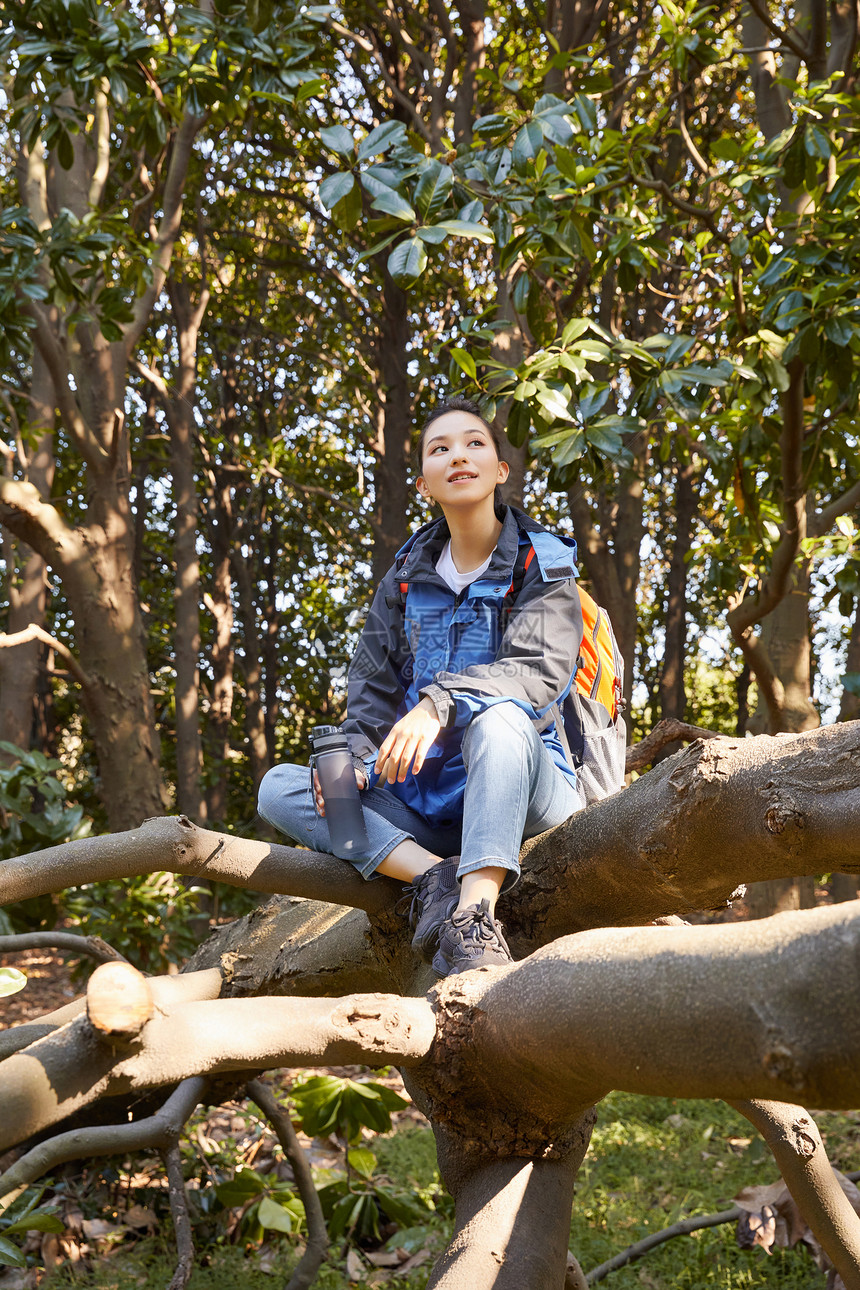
x=416, y=559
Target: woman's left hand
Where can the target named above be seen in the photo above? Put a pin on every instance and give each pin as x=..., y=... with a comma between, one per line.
x=407, y=742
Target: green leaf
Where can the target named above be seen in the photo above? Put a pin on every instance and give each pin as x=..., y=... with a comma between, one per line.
x=41, y=1221
x=338, y=139
x=554, y=404
x=465, y=362
x=11, y=981
x=334, y=188
x=431, y=234
x=246, y=1184
x=573, y=330
x=10, y=1255
x=519, y=424
x=433, y=188
x=465, y=228
x=347, y=212
x=527, y=145
x=362, y=1161
x=393, y=204
x=607, y=442
x=851, y=682
x=407, y=261
x=381, y=138
x=274, y=1217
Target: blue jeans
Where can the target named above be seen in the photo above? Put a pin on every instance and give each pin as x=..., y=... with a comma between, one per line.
x=514, y=790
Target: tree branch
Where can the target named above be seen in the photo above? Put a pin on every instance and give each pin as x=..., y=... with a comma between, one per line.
x=793, y=1137
x=647, y=1010
x=745, y=615
x=158, y=1130
x=73, y=1068
x=168, y=229
x=760, y=10
x=37, y=633
x=173, y=842
x=187, y=987
x=26, y=514
x=665, y=732
x=822, y=521
x=308, y=1265
x=86, y=946
x=181, y=1220
x=683, y=1227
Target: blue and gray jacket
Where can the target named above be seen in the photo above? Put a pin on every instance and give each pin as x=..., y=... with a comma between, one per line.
x=466, y=652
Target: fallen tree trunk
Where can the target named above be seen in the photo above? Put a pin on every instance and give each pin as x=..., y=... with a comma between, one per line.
x=721, y=813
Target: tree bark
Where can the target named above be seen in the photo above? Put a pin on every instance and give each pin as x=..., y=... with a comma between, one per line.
x=20, y=666
x=391, y=449
x=219, y=602
x=190, y=798
x=790, y=805
x=673, y=698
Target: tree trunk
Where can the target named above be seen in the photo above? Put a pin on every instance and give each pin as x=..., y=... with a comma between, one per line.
x=180, y=415
x=21, y=665
x=219, y=602
x=391, y=449
x=849, y=707
x=252, y=671
x=673, y=698
x=610, y=553
x=785, y=640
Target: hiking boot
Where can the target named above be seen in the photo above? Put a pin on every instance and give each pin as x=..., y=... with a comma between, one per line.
x=471, y=939
x=432, y=899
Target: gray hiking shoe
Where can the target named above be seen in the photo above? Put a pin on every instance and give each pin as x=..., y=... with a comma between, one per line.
x=432, y=899
x=471, y=939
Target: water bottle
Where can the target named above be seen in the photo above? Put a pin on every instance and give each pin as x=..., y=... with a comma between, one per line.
x=335, y=768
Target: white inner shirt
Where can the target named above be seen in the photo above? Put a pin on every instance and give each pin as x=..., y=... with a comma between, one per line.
x=448, y=571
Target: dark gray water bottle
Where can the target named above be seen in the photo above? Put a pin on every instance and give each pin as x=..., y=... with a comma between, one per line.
x=336, y=771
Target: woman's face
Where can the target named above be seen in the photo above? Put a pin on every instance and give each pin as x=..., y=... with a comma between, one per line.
x=459, y=464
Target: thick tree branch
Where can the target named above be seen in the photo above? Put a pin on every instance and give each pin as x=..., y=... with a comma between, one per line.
x=187, y=987
x=308, y=1265
x=74, y=1067
x=25, y=513
x=647, y=1010
x=174, y=843
x=788, y=803
x=721, y=813
x=158, y=1130
x=793, y=1137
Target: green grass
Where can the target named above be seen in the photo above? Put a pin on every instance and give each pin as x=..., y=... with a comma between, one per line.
x=644, y=1171
x=651, y=1162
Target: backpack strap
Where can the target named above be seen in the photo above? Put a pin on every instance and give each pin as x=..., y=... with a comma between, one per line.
x=525, y=555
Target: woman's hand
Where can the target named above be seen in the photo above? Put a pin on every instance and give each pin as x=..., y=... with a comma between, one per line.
x=360, y=779
x=407, y=742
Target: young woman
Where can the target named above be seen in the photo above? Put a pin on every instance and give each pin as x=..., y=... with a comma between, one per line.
x=470, y=644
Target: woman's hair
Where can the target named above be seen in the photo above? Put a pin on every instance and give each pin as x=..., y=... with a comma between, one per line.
x=459, y=403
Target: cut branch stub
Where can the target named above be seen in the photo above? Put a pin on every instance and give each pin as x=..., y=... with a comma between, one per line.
x=119, y=1001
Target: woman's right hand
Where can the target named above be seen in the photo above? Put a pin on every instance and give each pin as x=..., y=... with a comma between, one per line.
x=360, y=779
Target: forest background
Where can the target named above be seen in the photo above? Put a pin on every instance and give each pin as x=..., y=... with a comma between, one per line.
x=245, y=248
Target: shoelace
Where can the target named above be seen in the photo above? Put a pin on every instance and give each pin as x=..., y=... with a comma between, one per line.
x=411, y=899
x=475, y=925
